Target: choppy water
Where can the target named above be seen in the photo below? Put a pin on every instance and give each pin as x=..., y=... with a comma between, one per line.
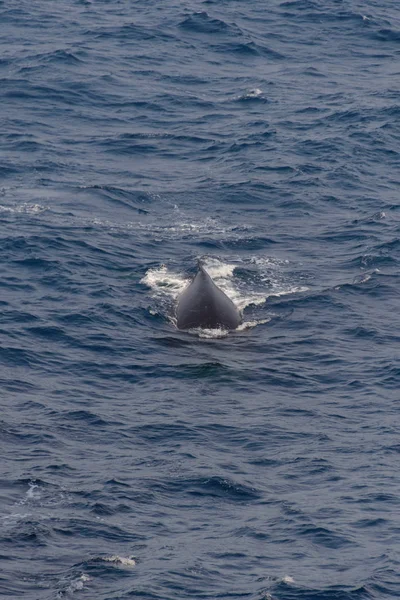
x=138, y=461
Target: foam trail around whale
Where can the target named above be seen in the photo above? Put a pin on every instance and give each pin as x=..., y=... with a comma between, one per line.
x=168, y=284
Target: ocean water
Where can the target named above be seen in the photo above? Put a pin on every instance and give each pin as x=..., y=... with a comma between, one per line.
x=140, y=461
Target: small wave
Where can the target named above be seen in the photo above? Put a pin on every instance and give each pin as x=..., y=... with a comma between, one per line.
x=248, y=48
x=60, y=56
x=212, y=487
x=322, y=536
x=387, y=35
x=201, y=22
x=130, y=32
x=313, y=72
x=299, y=4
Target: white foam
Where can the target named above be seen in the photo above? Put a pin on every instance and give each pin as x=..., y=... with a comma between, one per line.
x=209, y=333
x=252, y=299
x=272, y=272
x=32, y=494
x=254, y=93
x=31, y=209
x=181, y=226
x=15, y=518
x=220, y=332
x=223, y=275
x=34, y=209
x=128, y=561
x=268, y=261
x=76, y=585
x=250, y=324
x=218, y=269
x=287, y=579
x=163, y=281
x=297, y=289
x=363, y=278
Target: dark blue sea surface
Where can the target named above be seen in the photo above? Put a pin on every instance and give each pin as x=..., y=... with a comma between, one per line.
x=140, y=461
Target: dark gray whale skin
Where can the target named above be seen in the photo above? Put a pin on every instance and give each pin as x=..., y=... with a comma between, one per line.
x=203, y=304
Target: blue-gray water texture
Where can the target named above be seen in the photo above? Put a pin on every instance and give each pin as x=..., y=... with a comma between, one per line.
x=140, y=461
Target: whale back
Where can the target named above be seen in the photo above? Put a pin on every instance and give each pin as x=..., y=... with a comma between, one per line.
x=204, y=304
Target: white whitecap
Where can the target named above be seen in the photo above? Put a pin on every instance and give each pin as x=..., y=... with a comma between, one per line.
x=15, y=518
x=163, y=281
x=77, y=584
x=125, y=561
x=33, y=493
x=31, y=209
x=254, y=93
